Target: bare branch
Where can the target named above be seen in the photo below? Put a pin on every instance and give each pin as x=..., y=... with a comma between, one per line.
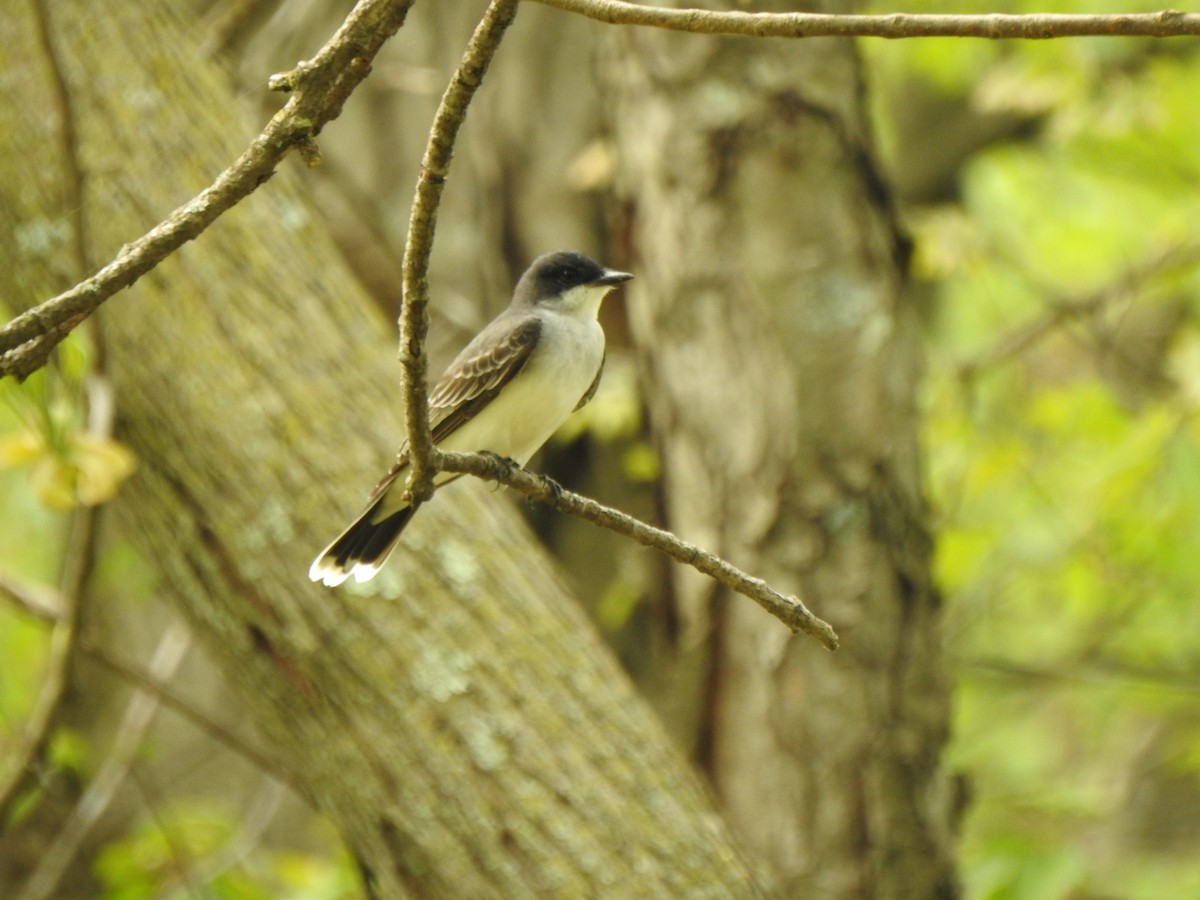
x=62, y=608
x=139, y=714
x=48, y=605
x=34, y=600
x=25, y=759
x=319, y=89
x=1062, y=310
x=789, y=610
x=1088, y=671
x=80, y=552
x=414, y=315
x=71, y=171
x=224, y=24
x=993, y=26
x=253, y=824
x=425, y=459
x=162, y=689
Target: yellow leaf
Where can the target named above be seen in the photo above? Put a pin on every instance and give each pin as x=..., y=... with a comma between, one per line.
x=102, y=465
x=53, y=482
x=20, y=449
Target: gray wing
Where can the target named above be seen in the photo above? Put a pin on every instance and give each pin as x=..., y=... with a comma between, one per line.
x=477, y=375
x=470, y=383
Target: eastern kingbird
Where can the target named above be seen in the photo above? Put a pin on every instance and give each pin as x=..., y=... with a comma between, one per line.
x=506, y=392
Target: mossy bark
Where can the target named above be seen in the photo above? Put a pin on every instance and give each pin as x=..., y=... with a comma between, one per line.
x=782, y=366
x=456, y=718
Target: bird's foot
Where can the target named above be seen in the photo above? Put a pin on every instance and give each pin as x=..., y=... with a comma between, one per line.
x=504, y=465
x=556, y=489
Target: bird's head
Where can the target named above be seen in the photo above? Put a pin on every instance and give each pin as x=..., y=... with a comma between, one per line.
x=567, y=280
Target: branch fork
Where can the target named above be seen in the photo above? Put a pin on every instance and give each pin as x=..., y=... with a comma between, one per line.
x=318, y=91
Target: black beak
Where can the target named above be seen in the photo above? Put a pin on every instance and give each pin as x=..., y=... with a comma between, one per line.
x=613, y=277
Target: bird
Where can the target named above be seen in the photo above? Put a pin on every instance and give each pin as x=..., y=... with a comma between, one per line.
x=506, y=393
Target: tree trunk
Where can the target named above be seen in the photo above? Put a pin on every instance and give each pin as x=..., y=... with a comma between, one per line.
x=456, y=717
x=782, y=367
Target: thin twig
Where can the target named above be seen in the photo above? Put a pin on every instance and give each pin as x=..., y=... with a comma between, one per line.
x=322, y=85
x=789, y=610
x=79, y=553
x=34, y=600
x=426, y=459
x=178, y=872
x=71, y=172
x=993, y=26
x=227, y=23
x=414, y=315
x=24, y=760
x=78, y=559
x=186, y=709
x=48, y=605
x=139, y=714
x=253, y=823
x=319, y=89
x=1065, y=309
x=1087, y=671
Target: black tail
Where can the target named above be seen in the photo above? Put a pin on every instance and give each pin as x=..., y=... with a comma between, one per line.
x=363, y=548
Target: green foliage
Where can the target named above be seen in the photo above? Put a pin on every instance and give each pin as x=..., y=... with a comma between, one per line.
x=22, y=649
x=48, y=465
x=1063, y=446
x=68, y=465
x=196, y=848
x=617, y=604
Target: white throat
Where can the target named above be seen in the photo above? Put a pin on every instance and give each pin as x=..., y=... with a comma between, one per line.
x=582, y=301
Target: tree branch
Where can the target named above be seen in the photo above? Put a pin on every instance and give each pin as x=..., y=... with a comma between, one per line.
x=319, y=88
x=34, y=600
x=425, y=459
x=80, y=550
x=414, y=314
x=1021, y=338
x=993, y=26
x=24, y=760
x=147, y=682
x=139, y=714
x=47, y=605
x=63, y=609
x=789, y=610
x=71, y=170
x=1088, y=671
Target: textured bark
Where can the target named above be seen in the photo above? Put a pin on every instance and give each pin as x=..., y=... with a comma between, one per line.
x=782, y=368
x=455, y=718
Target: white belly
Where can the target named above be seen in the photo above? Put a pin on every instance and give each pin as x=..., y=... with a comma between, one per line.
x=529, y=409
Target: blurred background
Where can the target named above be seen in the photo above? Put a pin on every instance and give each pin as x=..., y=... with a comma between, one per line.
x=981, y=436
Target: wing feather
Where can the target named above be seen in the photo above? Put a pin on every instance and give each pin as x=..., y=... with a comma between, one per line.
x=478, y=374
